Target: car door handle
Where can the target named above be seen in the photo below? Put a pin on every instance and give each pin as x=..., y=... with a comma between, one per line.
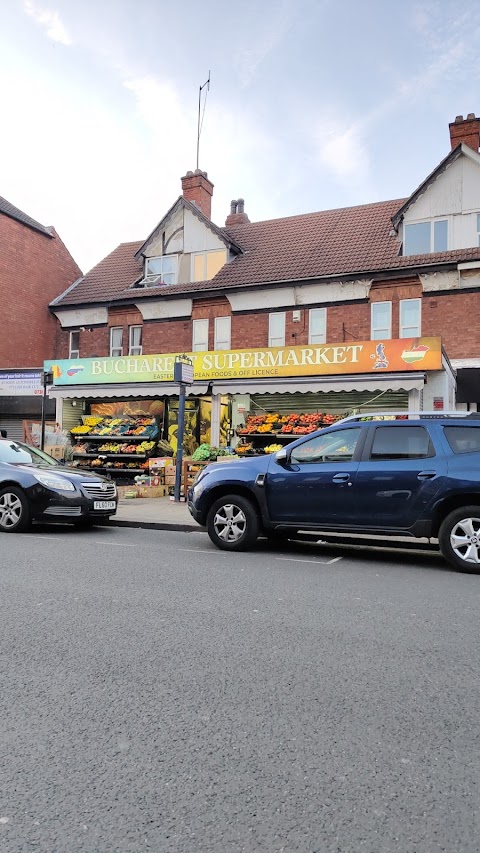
x=341, y=478
x=426, y=475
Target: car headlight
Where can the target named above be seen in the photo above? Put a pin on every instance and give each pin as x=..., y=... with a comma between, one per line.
x=199, y=476
x=52, y=482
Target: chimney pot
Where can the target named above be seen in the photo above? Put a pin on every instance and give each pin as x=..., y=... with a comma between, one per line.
x=458, y=119
x=240, y=205
x=471, y=115
x=233, y=206
x=237, y=215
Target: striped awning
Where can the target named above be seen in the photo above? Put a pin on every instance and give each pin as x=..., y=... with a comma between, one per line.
x=143, y=389
x=324, y=384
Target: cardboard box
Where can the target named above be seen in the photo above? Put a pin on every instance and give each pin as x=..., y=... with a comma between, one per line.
x=57, y=451
x=151, y=491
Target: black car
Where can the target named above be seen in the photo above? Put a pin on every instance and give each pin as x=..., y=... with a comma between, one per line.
x=35, y=487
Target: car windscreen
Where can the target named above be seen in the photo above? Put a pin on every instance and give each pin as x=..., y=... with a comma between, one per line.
x=21, y=454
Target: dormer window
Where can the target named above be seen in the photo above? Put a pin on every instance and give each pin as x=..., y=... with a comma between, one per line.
x=205, y=265
x=422, y=238
x=161, y=270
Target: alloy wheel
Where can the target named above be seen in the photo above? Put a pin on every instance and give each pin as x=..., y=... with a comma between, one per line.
x=465, y=540
x=10, y=510
x=230, y=523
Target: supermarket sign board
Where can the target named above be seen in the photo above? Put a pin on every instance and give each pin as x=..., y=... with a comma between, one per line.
x=17, y=383
x=371, y=357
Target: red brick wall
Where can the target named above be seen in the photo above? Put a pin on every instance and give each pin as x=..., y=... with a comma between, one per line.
x=34, y=269
x=452, y=316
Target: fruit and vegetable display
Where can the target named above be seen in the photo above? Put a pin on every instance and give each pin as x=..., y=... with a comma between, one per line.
x=272, y=448
x=295, y=424
x=206, y=453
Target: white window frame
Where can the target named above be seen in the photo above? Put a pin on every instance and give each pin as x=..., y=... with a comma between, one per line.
x=478, y=229
x=200, y=330
x=313, y=336
x=112, y=347
x=276, y=340
x=204, y=255
x=222, y=340
x=374, y=329
x=430, y=222
x=134, y=349
x=74, y=352
x=403, y=326
x=154, y=275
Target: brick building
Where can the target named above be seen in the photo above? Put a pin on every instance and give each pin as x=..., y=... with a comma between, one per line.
x=338, y=309
x=35, y=267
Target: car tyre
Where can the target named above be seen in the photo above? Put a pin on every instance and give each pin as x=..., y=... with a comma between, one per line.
x=232, y=523
x=15, y=516
x=459, y=539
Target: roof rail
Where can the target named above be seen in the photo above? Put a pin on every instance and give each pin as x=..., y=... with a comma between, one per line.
x=408, y=416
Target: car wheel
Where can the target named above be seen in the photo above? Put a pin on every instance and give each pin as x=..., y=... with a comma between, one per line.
x=14, y=510
x=232, y=523
x=459, y=539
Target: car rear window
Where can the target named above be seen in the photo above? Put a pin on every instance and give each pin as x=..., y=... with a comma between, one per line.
x=463, y=439
x=401, y=442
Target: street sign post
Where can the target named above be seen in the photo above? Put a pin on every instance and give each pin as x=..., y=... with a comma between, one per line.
x=47, y=380
x=183, y=375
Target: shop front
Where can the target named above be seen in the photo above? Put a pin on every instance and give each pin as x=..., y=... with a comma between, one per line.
x=21, y=393
x=112, y=405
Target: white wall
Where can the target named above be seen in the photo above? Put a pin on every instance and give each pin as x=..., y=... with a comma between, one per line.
x=197, y=237
x=454, y=195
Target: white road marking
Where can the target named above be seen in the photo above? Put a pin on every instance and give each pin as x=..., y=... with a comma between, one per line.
x=322, y=562
x=84, y=540
x=203, y=551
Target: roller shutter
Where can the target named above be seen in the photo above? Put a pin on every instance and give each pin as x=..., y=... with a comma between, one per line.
x=336, y=402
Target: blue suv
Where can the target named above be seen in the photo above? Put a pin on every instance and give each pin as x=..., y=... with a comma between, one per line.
x=389, y=474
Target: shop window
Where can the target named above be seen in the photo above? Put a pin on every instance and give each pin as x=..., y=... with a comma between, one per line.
x=317, y=326
x=116, y=341
x=74, y=345
x=161, y=270
x=333, y=447
x=422, y=238
x=381, y=321
x=276, y=329
x=223, y=326
x=401, y=442
x=410, y=318
x=205, y=265
x=135, y=340
x=200, y=336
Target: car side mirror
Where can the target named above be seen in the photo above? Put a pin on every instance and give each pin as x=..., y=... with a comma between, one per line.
x=282, y=456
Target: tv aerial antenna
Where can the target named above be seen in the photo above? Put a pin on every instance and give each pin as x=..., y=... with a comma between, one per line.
x=201, y=113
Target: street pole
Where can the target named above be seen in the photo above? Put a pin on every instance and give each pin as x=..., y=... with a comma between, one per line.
x=47, y=380
x=180, y=433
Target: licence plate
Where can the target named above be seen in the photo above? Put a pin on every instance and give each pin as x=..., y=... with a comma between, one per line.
x=104, y=505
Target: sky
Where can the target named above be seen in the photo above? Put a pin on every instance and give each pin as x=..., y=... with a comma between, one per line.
x=313, y=104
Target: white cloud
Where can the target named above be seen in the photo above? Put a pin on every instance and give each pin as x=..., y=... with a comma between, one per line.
x=343, y=150
x=50, y=21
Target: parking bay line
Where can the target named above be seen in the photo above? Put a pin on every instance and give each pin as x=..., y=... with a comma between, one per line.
x=322, y=562
x=85, y=541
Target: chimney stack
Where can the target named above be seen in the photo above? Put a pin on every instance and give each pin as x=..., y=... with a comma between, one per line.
x=197, y=188
x=466, y=130
x=237, y=215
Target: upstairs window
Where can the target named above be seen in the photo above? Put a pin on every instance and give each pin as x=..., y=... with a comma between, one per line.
x=317, y=326
x=116, y=341
x=276, y=329
x=410, y=318
x=205, y=265
x=200, y=336
x=161, y=270
x=74, y=345
x=422, y=238
x=135, y=340
x=381, y=321
x=223, y=326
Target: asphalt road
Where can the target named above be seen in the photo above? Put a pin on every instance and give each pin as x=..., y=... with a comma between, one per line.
x=158, y=694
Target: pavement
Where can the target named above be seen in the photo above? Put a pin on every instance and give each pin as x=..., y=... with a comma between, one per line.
x=154, y=513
